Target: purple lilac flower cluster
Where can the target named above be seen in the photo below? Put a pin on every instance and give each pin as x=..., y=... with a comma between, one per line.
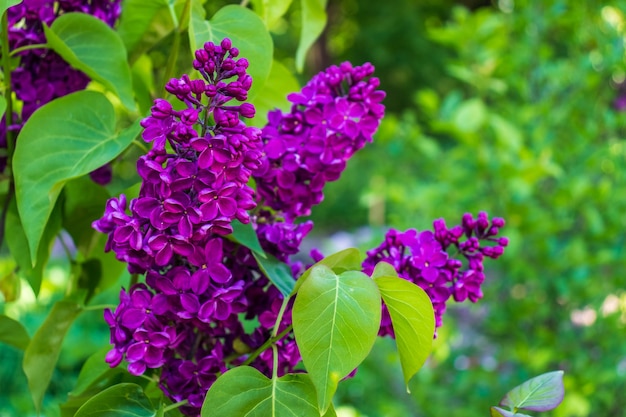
x=333, y=116
x=42, y=75
x=424, y=259
x=185, y=318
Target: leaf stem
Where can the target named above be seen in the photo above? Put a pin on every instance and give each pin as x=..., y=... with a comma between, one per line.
x=10, y=138
x=100, y=307
x=6, y=66
x=269, y=342
x=27, y=48
x=175, y=406
x=171, y=63
x=140, y=145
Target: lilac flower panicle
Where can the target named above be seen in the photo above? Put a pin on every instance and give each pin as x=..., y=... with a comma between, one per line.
x=424, y=259
x=185, y=318
x=331, y=118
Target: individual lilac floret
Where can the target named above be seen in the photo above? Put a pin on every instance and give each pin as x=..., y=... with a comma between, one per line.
x=333, y=116
x=424, y=259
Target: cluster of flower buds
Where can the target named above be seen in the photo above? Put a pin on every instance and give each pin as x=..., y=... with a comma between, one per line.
x=424, y=259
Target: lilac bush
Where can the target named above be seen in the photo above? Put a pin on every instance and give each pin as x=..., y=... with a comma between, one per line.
x=201, y=284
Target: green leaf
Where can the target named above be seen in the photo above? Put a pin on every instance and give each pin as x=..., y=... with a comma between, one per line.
x=137, y=15
x=245, y=235
x=279, y=273
x=244, y=391
x=271, y=10
x=94, y=370
x=43, y=351
x=62, y=140
x=335, y=321
x=84, y=202
x=18, y=244
x=470, y=115
x=345, y=260
x=90, y=45
x=13, y=333
x=541, y=393
x=5, y=4
x=412, y=318
x=273, y=95
x=313, y=23
x=247, y=32
x=499, y=412
x=119, y=400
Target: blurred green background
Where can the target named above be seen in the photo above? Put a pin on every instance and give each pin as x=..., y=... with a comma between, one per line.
x=515, y=107
x=512, y=107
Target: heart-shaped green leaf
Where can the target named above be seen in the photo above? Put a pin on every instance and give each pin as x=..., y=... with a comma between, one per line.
x=541, y=393
x=247, y=32
x=345, y=260
x=13, y=333
x=62, y=140
x=412, y=318
x=90, y=45
x=279, y=273
x=335, y=320
x=244, y=391
x=123, y=400
x=41, y=356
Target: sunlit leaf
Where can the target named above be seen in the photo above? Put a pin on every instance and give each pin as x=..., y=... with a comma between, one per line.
x=247, y=32
x=271, y=10
x=412, y=318
x=279, y=273
x=244, y=391
x=344, y=260
x=3, y=105
x=13, y=333
x=125, y=400
x=470, y=115
x=41, y=356
x=62, y=140
x=5, y=4
x=273, y=95
x=335, y=321
x=541, y=393
x=313, y=23
x=90, y=45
